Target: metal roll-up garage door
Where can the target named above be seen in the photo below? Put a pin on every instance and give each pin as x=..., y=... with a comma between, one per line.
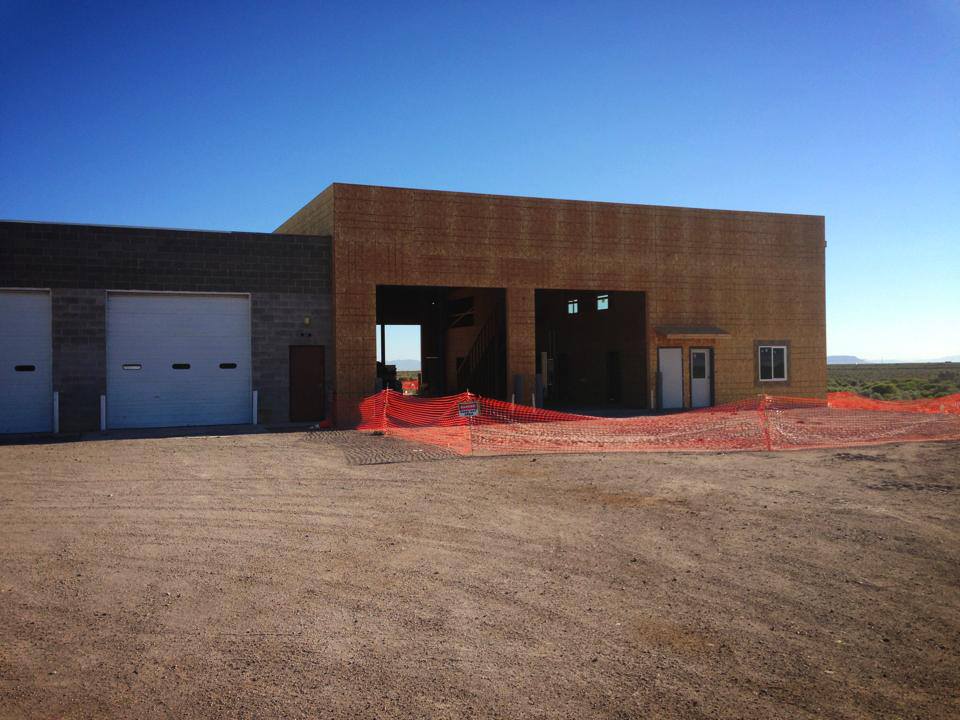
x=26, y=364
x=177, y=359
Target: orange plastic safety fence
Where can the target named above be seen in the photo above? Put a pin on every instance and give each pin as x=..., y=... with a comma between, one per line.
x=852, y=401
x=469, y=424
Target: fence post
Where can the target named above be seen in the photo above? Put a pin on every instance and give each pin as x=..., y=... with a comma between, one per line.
x=470, y=432
x=765, y=422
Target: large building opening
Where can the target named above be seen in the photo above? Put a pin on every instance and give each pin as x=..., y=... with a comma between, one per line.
x=400, y=369
x=462, y=333
x=591, y=349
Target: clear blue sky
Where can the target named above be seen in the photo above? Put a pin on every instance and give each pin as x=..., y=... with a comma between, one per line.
x=232, y=115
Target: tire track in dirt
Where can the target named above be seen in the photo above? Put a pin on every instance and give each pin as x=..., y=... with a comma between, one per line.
x=264, y=576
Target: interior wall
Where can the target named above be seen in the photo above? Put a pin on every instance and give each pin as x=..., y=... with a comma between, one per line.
x=433, y=350
x=461, y=339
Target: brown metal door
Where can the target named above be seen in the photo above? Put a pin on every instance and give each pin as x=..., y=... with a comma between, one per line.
x=306, y=383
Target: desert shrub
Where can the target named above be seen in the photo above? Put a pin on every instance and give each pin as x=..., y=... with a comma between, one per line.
x=908, y=381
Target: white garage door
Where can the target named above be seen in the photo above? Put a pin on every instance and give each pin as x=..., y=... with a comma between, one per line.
x=26, y=366
x=177, y=360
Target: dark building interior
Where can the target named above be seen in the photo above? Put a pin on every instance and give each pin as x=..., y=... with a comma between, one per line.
x=462, y=335
x=591, y=350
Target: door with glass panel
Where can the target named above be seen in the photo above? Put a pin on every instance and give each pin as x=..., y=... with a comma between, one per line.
x=701, y=377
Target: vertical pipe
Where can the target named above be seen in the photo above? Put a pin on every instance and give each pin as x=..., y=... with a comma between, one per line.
x=56, y=412
x=383, y=344
x=254, y=406
x=103, y=413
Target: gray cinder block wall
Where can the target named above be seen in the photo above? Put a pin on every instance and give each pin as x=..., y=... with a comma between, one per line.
x=79, y=355
x=287, y=277
x=278, y=323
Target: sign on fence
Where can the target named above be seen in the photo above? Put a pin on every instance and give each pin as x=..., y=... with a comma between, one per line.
x=469, y=409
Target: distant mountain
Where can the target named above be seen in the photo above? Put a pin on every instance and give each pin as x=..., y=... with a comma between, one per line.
x=854, y=360
x=405, y=364
x=845, y=360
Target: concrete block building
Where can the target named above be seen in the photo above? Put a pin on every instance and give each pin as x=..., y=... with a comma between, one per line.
x=572, y=304
x=167, y=327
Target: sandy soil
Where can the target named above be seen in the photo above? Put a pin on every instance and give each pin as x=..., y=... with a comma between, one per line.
x=265, y=576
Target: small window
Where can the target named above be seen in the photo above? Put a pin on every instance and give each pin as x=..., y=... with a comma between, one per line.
x=698, y=366
x=24, y=368
x=603, y=302
x=460, y=312
x=181, y=366
x=573, y=306
x=132, y=366
x=228, y=366
x=773, y=362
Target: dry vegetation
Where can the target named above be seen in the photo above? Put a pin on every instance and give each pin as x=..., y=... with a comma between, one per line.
x=895, y=381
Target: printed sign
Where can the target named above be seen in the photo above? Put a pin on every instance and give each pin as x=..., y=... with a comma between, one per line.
x=469, y=409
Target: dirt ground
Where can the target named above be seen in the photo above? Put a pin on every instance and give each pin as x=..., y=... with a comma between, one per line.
x=269, y=576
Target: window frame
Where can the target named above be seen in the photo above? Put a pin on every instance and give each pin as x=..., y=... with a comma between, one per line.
x=460, y=312
x=605, y=298
x=573, y=306
x=706, y=364
x=786, y=362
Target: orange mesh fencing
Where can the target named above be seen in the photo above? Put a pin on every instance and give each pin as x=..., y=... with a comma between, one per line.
x=852, y=401
x=471, y=425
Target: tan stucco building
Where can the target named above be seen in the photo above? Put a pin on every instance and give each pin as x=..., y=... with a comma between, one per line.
x=572, y=303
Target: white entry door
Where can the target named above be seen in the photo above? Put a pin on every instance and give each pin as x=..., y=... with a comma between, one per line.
x=178, y=359
x=670, y=364
x=26, y=362
x=701, y=377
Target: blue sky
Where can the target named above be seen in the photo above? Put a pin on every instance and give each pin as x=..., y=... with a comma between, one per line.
x=232, y=115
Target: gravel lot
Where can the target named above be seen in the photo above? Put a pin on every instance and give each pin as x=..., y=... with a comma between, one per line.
x=275, y=575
